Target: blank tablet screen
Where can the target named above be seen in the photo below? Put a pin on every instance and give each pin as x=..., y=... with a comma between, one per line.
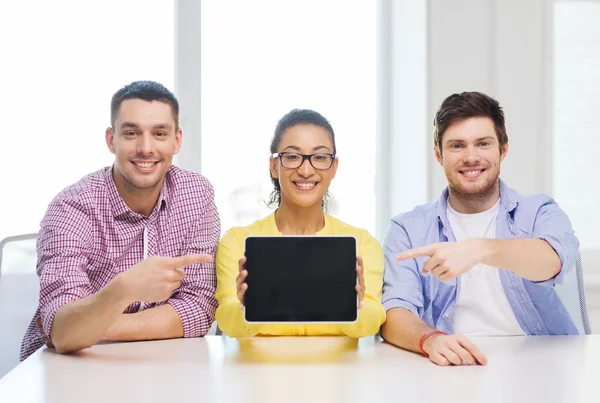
x=301, y=279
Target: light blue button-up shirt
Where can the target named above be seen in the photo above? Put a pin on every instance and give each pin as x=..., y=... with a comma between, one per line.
x=536, y=305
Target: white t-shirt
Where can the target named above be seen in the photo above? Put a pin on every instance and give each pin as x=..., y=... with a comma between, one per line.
x=482, y=308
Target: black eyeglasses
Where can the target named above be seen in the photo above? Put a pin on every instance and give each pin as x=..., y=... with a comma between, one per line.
x=295, y=160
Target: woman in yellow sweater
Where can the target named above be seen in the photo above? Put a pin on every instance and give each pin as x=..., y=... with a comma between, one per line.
x=302, y=165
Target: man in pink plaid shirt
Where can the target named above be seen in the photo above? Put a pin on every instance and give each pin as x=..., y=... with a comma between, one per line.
x=127, y=252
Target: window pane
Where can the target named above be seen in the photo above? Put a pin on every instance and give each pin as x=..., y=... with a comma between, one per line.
x=576, y=108
x=60, y=66
x=261, y=59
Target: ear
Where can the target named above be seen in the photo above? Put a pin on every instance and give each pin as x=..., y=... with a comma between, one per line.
x=110, y=139
x=274, y=167
x=178, y=140
x=334, y=167
x=438, y=155
x=503, y=152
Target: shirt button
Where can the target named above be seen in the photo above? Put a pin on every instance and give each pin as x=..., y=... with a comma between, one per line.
x=446, y=315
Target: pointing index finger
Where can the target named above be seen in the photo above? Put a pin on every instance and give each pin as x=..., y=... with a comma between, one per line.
x=414, y=253
x=186, y=260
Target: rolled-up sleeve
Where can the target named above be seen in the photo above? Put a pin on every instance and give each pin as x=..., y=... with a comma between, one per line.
x=63, y=249
x=402, y=283
x=194, y=301
x=553, y=226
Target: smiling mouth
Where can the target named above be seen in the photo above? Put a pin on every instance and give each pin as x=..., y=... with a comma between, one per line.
x=144, y=165
x=305, y=185
x=471, y=173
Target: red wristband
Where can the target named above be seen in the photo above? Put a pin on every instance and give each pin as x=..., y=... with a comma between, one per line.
x=425, y=336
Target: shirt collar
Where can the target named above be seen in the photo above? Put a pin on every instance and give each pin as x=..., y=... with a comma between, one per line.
x=508, y=202
x=117, y=204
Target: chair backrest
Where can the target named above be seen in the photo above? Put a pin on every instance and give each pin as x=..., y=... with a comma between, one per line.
x=214, y=330
x=17, y=254
x=19, y=295
x=572, y=294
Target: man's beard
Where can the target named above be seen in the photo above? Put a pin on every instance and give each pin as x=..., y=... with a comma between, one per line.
x=477, y=197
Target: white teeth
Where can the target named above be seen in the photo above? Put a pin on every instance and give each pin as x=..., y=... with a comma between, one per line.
x=472, y=173
x=306, y=185
x=145, y=164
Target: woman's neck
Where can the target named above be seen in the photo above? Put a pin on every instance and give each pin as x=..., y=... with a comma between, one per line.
x=296, y=220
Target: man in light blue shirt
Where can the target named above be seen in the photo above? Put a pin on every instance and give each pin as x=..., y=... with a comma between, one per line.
x=483, y=259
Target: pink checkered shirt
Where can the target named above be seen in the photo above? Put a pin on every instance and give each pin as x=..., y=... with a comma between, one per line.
x=89, y=235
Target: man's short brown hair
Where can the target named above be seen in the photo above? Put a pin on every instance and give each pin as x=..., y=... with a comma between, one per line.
x=458, y=107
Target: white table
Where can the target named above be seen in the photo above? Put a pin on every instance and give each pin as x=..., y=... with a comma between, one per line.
x=307, y=369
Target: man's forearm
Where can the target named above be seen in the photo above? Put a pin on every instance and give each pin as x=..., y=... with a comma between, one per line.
x=404, y=329
x=161, y=322
x=532, y=259
x=82, y=323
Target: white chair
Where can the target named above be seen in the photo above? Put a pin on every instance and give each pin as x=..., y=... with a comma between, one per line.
x=19, y=295
x=17, y=253
x=572, y=294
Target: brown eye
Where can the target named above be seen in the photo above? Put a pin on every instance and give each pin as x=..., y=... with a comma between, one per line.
x=291, y=157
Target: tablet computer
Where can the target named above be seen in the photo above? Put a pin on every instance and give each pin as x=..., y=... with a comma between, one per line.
x=301, y=279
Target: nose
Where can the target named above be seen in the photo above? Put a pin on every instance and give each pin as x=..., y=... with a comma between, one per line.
x=471, y=157
x=305, y=170
x=144, y=146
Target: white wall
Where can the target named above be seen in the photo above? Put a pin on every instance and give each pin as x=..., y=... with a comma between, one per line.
x=187, y=81
x=402, y=164
x=500, y=48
